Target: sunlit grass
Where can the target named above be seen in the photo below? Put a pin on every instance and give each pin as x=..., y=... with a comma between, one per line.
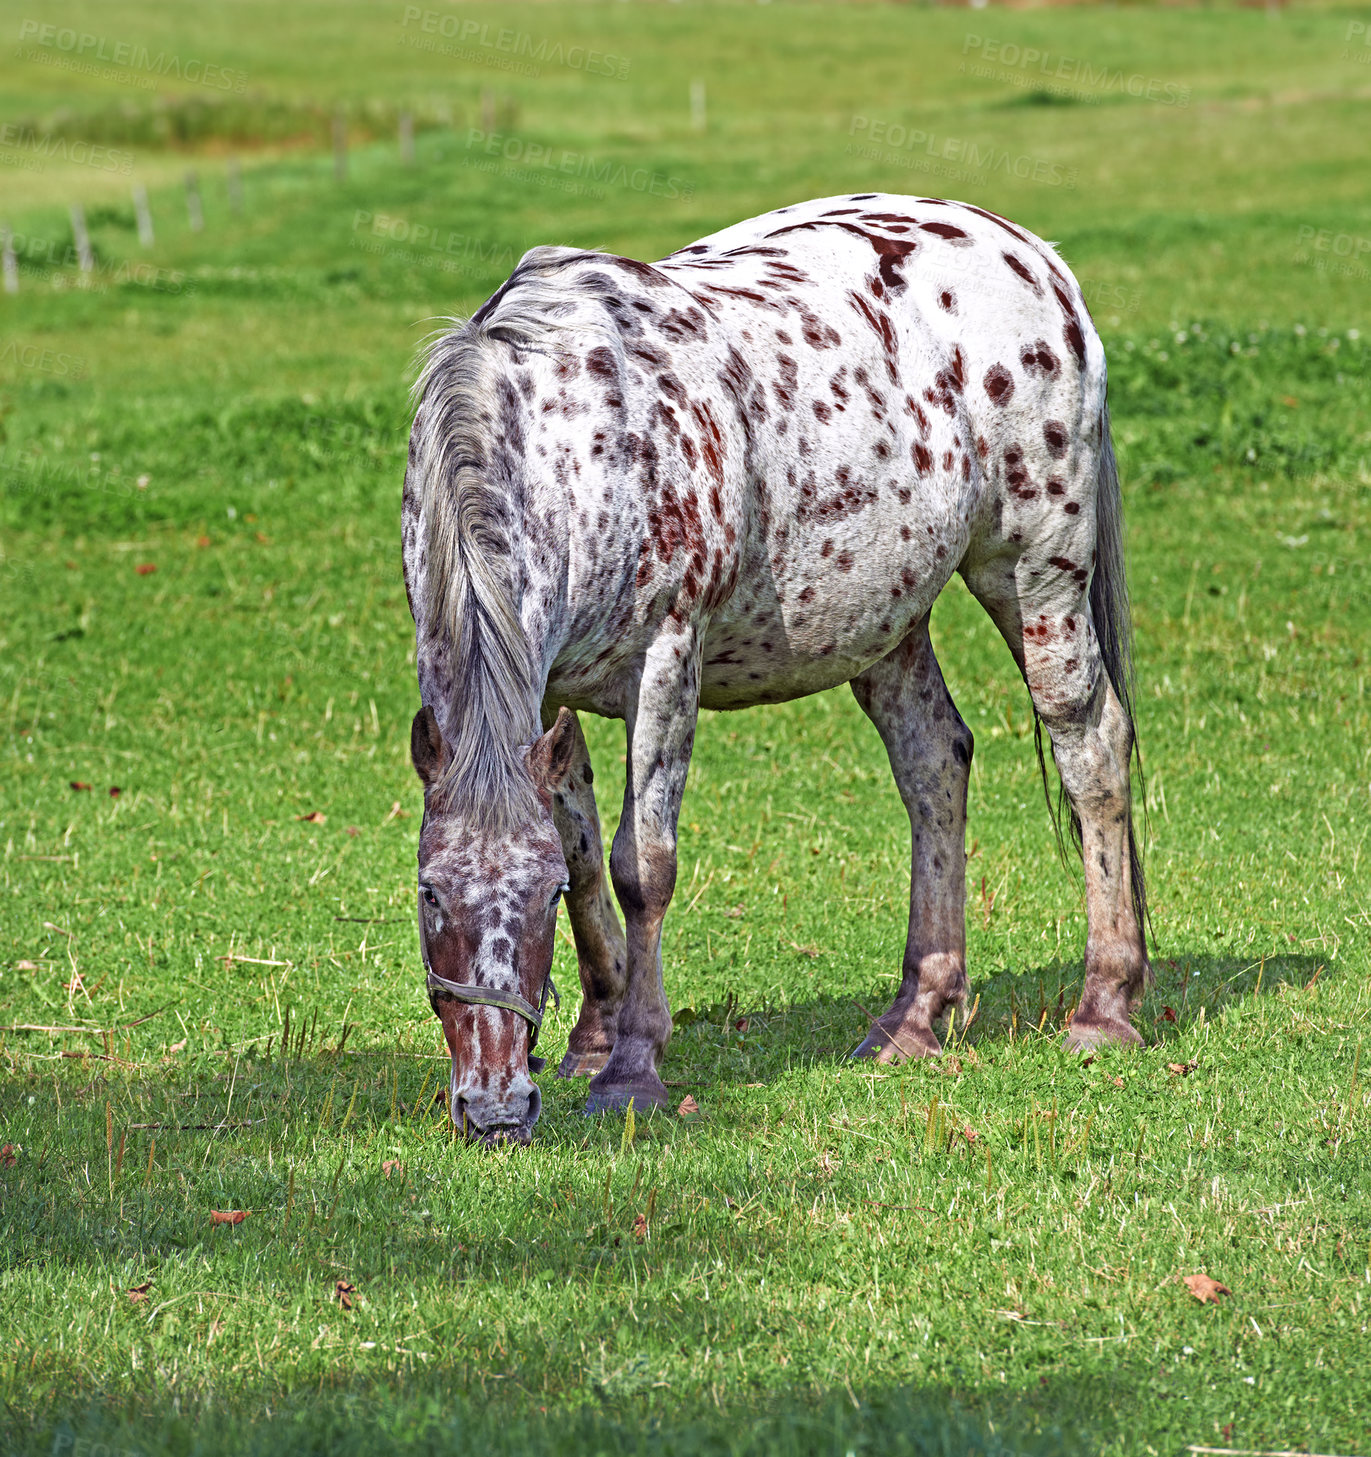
x=985, y=1255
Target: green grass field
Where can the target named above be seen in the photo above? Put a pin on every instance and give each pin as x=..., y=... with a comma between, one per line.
x=201, y=449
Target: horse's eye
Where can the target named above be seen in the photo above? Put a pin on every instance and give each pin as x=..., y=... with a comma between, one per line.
x=429, y=896
x=560, y=892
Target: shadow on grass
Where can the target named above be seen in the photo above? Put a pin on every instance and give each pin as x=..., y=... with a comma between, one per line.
x=425, y=1416
x=1007, y=1005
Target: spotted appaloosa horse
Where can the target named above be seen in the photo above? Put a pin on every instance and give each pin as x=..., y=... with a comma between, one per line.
x=734, y=477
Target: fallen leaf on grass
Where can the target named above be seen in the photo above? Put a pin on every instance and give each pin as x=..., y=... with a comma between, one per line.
x=1205, y=1289
x=178, y=1046
x=78, y=784
x=202, y=541
x=145, y=569
x=314, y=817
x=741, y=1024
x=810, y=951
x=1168, y=1014
x=115, y=791
x=734, y=912
x=27, y=966
x=7, y=1157
x=228, y=1216
x=689, y=1108
x=139, y=1293
x=1118, y=1082
x=352, y=831
x=1182, y=1069
x=345, y=1291
x=970, y=1134
x=392, y=1166
x=640, y=1226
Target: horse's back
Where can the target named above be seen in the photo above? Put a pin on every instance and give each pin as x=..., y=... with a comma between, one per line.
x=917, y=383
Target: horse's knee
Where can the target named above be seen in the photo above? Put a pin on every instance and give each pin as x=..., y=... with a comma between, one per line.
x=644, y=875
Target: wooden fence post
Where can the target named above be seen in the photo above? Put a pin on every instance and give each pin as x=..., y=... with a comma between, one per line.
x=8, y=264
x=340, y=147
x=144, y=215
x=195, y=211
x=85, y=260
x=697, y=105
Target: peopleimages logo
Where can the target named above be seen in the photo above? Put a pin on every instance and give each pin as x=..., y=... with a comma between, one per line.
x=470, y=37
x=426, y=245
x=53, y=260
x=535, y=159
x=45, y=361
x=927, y=151
x=987, y=54
x=1330, y=252
x=38, y=147
x=79, y=50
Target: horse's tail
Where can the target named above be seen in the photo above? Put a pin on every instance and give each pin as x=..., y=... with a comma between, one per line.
x=1109, y=609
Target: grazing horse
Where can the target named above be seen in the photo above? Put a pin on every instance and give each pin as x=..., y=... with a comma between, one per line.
x=738, y=476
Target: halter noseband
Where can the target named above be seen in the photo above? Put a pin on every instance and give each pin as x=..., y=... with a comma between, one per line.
x=441, y=989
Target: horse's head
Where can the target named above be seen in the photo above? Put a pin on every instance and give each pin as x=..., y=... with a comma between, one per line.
x=487, y=917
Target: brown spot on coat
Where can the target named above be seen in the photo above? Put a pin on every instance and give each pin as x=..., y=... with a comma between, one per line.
x=1022, y=269
x=946, y=230
x=1039, y=357
x=999, y=385
x=1016, y=474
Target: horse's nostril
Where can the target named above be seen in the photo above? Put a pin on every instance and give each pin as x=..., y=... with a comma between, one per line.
x=535, y=1106
x=460, y=1116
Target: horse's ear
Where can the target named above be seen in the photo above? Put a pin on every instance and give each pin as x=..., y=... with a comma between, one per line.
x=426, y=745
x=550, y=758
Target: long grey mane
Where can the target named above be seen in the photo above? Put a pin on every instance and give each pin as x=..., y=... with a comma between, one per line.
x=470, y=591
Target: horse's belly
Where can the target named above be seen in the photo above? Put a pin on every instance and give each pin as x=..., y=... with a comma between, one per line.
x=760, y=649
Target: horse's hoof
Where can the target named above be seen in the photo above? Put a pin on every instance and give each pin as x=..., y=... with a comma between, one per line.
x=581, y=1064
x=882, y=1046
x=1086, y=1036
x=644, y=1096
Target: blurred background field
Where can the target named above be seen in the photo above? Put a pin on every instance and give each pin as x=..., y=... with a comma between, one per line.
x=201, y=446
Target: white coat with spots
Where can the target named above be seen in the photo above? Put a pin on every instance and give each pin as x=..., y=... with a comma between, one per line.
x=734, y=477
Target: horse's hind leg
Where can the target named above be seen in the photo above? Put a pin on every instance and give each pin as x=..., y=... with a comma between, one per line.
x=1042, y=607
x=930, y=753
x=601, y=954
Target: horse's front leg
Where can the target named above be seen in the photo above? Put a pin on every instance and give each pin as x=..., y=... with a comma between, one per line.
x=661, y=719
x=601, y=955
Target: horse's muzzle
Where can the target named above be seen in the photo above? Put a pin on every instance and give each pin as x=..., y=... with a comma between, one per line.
x=481, y=1122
